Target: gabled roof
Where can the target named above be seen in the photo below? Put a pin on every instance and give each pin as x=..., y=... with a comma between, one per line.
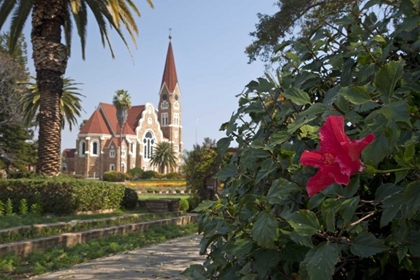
x=95, y=124
x=69, y=153
x=169, y=73
x=109, y=112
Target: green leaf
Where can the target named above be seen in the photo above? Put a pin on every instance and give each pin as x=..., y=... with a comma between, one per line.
x=391, y=207
x=279, y=137
x=411, y=200
x=401, y=253
x=377, y=150
x=223, y=145
x=303, y=240
x=264, y=231
x=315, y=200
x=195, y=271
x=240, y=247
x=386, y=190
x=366, y=245
x=281, y=189
x=266, y=260
x=304, y=222
x=388, y=76
x=267, y=166
x=230, y=170
x=355, y=94
x=348, y=207
x=297, y=96
x=204, y=205
x=320, y=261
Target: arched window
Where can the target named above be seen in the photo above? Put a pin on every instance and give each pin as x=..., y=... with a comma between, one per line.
x=164, y=105
x=82, y=148
x=148, y=143
x=95, y=148
x=176, y=105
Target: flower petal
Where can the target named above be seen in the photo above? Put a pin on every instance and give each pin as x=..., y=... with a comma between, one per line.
x=313, y=158
x=319, y=182
x=332, y=135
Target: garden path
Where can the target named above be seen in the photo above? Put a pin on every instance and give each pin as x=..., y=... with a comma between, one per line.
x=162, y=261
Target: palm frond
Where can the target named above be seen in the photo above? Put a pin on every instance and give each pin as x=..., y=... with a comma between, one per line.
x=80, y=18
x=19, y=18
x=6, y=9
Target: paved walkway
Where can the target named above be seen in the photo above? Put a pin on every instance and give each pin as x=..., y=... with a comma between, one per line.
x=162, y=261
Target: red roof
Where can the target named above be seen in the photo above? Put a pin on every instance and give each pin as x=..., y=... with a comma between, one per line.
x=104, y=120
x=69, y=153
x=95, y=124
x=169, y=74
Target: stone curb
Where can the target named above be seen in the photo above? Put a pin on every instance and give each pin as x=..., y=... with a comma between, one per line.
x=24, y=248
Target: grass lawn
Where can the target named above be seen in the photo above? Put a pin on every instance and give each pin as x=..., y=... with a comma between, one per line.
x=151, y=196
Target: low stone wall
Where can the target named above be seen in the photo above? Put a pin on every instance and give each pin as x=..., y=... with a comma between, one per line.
x=23, y=248
x=162, y=205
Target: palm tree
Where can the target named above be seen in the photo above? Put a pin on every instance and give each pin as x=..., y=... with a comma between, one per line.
x=70, y=104
x=122, y=102
x=49, y=19
x=163, y=156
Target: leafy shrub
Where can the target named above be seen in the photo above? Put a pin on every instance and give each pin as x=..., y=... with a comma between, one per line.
x=193, y=202
x=36, y=209
x=135, y=173
x=130, y=199
x=115, y=176
x=63, y=196
x=150, y=190
x=364, y=69
x=150, y=174
x=173, y=176
x=184, y=205
x=23, y=174
x=177, y=191
x=23, y=208
x=9, y=207
x=2, y=208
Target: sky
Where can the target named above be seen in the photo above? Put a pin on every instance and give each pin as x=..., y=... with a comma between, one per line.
x=208, y=40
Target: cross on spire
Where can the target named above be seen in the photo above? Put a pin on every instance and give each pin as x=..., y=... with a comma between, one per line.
x=170, y=33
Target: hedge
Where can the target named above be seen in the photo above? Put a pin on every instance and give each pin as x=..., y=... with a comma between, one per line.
x=115, y=176
x=63, y=196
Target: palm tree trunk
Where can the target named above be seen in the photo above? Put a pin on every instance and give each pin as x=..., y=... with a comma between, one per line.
x=50, y=58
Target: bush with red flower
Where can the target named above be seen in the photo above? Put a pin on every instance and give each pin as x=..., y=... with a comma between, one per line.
x=326, y=180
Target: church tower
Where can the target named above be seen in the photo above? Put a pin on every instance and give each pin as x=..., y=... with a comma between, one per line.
x=170, y=104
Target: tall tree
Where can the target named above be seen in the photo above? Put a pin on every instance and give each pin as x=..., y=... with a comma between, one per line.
x=122, y=102
x=164, y=156
x=293, y=16
x=49, y=20
x=16, y=148
x=70, y=103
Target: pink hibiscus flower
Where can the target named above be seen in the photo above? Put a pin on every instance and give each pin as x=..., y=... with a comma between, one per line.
x=338, y=157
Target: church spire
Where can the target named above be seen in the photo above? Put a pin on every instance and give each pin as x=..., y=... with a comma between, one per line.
x=169, y=74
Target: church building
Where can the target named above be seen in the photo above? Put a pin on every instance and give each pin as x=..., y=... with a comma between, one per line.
x=98, y=144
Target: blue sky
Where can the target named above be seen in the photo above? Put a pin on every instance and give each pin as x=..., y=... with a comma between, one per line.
x=209, y=39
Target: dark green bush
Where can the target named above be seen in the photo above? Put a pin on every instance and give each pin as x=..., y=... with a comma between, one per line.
x=115, y=176
x=130, y=199
x=173, y=176
x=184, y=205
x=135, y=173
x=62, y=196
x=193, y=202
x=150, y=174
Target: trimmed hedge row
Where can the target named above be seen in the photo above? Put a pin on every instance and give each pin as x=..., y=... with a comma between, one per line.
x=63, y=196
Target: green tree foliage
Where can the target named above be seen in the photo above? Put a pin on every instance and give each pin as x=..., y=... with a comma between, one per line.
x=265, y=226
x=163, y=156
x=70, y=103
x=293, y=15
x=201, y=163
x=16, y=148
